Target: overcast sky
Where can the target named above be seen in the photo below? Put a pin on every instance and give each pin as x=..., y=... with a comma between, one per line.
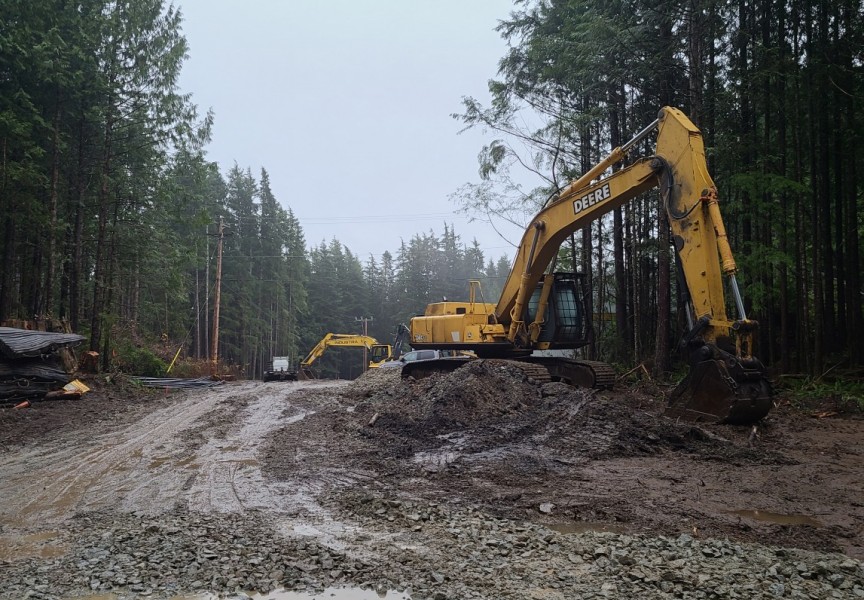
x=347, y=105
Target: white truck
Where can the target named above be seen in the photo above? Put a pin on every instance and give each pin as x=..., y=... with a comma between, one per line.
x=280, y=370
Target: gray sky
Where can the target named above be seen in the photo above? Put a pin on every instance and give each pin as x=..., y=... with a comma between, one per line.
x=347, y=105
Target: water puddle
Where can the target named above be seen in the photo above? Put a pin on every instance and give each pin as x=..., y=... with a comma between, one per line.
x=776, y=518
x=586, y=526
x=307, y=530
x=298, y=417
x=328, y=594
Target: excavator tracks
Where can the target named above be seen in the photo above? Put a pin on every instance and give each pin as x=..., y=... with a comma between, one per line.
x=532, y=372
x=582, y=373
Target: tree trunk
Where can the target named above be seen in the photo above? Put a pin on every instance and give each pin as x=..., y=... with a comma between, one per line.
x=780, y=93
x=853, y=318
x=622, y=335
x=51, y=269
x=8, y=237
x=696, y=37
x=662, y=358
x=100, y=268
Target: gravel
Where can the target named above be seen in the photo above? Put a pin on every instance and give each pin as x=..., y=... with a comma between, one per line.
x=431, y=551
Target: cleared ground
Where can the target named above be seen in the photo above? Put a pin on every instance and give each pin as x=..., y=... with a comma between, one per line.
x=408, y=485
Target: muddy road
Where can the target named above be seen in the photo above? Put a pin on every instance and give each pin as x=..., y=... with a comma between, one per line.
x=198, y=451
x=480, y=485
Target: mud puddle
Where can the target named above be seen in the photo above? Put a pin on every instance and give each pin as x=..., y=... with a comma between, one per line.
x=776, y=518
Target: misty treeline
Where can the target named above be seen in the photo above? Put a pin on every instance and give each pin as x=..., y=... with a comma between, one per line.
x=109, y=207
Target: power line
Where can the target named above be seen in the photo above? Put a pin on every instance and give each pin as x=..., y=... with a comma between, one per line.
x=391, y=218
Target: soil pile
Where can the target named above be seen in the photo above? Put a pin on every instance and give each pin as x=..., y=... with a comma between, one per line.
x=487, y=404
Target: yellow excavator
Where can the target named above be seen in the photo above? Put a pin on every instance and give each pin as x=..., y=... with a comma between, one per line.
x=378, y=353
x=542, y=310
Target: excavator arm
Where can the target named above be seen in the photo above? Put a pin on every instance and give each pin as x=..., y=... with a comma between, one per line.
x=690, y=198
x=402, y=334
x=725, y=380
x=574, y=209
x=338, y=340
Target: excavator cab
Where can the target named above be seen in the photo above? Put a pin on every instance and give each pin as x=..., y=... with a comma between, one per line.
x=379, y=353
x=564, y=320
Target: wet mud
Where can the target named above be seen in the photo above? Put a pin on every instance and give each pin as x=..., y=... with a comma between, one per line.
x=566, y=457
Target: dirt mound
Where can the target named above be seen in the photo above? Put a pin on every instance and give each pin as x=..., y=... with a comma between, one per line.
x=490, y=404
x=473, y=395
x=372, y=381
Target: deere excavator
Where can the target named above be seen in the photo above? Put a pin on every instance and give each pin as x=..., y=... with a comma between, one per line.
x=378, y=353
x=541, y=310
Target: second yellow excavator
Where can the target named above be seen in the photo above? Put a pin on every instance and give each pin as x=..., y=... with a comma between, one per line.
x=542, y=310
x=378, y=353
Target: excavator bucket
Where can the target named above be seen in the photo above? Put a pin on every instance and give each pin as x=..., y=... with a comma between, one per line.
x=722, y=389
x=305, y=374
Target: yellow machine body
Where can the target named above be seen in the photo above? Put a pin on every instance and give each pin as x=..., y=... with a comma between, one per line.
x=534, y=312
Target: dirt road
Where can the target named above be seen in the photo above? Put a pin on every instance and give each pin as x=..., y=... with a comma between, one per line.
x=198, y=452
x=483, y=486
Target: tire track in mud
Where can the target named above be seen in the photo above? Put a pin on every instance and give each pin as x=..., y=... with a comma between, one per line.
x=201, y=450
x=228, y=474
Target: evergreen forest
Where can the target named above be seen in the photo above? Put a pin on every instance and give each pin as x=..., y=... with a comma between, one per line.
x=111, y=214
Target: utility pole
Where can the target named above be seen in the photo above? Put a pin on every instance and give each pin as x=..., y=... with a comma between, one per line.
x=365, y=321
x=214, y=342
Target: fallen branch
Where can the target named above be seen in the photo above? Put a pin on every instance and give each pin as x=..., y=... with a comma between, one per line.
x=634, y=369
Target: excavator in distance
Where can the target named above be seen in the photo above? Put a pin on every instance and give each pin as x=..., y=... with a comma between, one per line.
x=378, y=353
x=542, y=310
